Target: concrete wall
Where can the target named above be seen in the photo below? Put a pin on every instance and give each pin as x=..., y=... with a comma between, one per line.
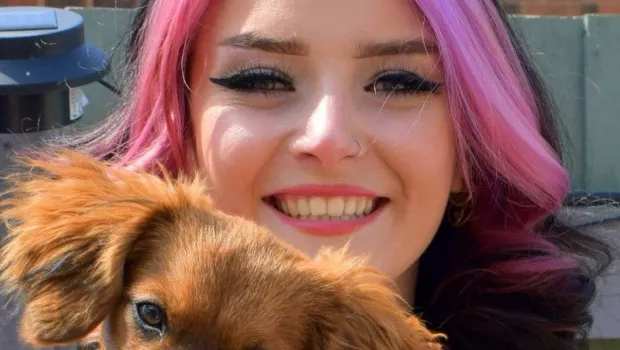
x=579, y=57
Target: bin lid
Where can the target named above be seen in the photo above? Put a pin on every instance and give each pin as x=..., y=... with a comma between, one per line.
x=43, y=49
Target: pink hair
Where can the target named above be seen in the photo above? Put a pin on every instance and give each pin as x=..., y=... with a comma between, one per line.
x=156, y=113
x=515, y=175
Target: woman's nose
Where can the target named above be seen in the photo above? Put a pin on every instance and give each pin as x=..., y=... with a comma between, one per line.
x=328, y=135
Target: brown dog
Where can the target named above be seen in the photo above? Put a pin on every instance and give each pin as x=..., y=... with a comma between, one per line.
x=147, y=263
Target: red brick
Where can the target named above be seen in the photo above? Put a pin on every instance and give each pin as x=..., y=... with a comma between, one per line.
x=20, y=3
x=64, y=3
x=555, y=9
x=116, y=3
x=609, y=7
x=565, y=7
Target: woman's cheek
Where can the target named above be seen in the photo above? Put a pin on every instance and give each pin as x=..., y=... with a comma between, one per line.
x=231, y=150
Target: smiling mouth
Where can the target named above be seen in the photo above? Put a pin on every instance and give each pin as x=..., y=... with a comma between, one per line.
x=332, y=208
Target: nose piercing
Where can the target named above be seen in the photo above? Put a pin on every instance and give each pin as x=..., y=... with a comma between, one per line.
x=361, y=148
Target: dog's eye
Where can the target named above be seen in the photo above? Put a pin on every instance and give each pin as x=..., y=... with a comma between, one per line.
x=89, y=346
x=151, y=315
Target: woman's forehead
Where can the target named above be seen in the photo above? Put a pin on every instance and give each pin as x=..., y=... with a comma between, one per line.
x=315, y=25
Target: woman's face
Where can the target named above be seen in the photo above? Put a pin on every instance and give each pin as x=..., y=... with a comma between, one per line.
x=284, y=92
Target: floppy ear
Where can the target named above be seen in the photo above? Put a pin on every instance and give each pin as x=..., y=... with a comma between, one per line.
x=375, y=316
x=71, y=223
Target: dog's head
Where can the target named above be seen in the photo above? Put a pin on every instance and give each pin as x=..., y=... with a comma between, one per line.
x=149, y=264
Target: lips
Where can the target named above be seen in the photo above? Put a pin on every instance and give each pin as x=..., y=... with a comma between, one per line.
x=326, y=210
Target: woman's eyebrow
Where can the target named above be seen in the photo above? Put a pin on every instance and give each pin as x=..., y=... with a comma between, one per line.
x=396, y=47
x=295, y=47
x=253, y=41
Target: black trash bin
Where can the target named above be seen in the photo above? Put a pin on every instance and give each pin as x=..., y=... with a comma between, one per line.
x=44, y=59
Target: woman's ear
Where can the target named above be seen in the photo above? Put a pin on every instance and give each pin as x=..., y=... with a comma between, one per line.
x=374, y=316
x=71, y=223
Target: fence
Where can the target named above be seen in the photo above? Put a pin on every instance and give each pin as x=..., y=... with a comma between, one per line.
x=580, y=59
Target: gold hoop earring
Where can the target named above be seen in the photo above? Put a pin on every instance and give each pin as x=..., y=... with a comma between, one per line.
x=460, y=208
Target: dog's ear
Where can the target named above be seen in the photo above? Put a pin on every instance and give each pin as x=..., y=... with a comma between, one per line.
x=372, y=316
x=71, y=222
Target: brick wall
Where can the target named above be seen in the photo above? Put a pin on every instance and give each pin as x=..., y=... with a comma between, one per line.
x=65, y=3
x=562, y=7
x=530, y=7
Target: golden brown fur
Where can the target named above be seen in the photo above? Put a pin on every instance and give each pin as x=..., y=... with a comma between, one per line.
x=86, y=242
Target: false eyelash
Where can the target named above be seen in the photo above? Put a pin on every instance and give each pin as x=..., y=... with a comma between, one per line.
x=411, y=84
x=404, y=83
x=401, y=64
x=243, y=74
x=256, y=65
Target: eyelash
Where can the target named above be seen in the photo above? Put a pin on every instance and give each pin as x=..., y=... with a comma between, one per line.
x=273, y=80
x=253, y=79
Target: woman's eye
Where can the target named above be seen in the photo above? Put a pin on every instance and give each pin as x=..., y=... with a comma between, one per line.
x=151, y=316
x=393, y=83
x=260, y=80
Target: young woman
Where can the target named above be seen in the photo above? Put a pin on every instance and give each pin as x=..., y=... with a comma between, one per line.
x=417, y=131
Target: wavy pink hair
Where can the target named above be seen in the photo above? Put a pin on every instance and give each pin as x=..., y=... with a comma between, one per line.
x=515, y=175
x=156, y=112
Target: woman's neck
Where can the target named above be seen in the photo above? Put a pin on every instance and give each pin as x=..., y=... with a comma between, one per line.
x=406, y=284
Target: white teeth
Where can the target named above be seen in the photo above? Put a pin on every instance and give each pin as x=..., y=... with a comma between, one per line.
x=318, y=206
x=303, y=206
x=292, y=207
x=335, y=206
x=326, y=208
x=350, y=205
x=284, y=207
x=360, y=206
x=369, y=205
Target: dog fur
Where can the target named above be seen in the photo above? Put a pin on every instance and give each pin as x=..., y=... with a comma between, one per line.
x=90, y=245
